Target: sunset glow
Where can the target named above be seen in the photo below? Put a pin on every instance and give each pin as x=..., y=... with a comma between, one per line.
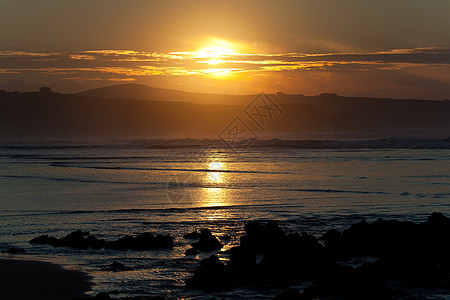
x=257, y=149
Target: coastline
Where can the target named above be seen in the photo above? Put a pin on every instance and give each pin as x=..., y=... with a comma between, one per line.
x=29, y=279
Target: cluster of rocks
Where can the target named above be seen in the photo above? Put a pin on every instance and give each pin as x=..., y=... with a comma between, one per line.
x=206, y=242
x=83, y=239
x=414, y=255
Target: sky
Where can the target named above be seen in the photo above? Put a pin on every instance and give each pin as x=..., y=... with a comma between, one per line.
x=398, y=49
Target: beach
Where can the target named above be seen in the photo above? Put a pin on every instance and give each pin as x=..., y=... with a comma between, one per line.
x=27, y=279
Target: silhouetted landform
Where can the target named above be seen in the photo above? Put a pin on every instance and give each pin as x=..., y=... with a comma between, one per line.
x=406, y=256
x=367, y=113
x=83, y=239
x=180, y=114
x=145, y=92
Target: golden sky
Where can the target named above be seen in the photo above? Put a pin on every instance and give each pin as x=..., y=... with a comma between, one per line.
x=351, y=47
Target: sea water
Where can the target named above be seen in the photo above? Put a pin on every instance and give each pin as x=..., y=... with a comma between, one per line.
x=128, y=188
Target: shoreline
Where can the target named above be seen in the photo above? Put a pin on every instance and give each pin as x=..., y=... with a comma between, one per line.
x=33, y=279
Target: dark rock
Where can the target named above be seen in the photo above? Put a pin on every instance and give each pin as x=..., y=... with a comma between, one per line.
x=437, y=220
x=146, y=298
x=344, y=282
x=77, y=239
x=117, y=266
x=415, y=272
x=102, y=296
x=192, y=235
x=413, y=255
x=191, y=251
x=382, y=237
x=243, y=265
x=14, y=250
x=44, y=239
x=261, y=237
x=211, y=274
x=207, y=242
x=289, y=295
x=333, y=241
x=83, y=239
x=143, y=241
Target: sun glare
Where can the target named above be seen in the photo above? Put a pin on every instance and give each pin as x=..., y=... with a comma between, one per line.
x=216, y=52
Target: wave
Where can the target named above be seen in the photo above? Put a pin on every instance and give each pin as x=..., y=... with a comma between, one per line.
x=77, y=180
x=338, y=191
x=386, y=143
x=66, y=165
x=153, y=210
x=427, y=176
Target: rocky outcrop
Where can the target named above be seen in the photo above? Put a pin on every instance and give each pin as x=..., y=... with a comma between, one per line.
x=415, y=255
x=83, y=239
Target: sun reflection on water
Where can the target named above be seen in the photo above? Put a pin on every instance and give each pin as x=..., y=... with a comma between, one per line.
x=213, y=193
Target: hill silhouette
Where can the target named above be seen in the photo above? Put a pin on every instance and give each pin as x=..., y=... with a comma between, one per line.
x=367, y=113
x=143, y=111
x=145, y=92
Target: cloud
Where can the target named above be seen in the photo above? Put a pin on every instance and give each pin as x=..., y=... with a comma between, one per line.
x=128, y=65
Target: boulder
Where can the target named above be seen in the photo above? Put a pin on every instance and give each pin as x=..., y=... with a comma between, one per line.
x=117, y=266
x=192, y=235
x=211, y=274
x=144, y=241
x=262, y=236
x=207, y=241
x=77, y=239
x=83, y=239
x=191, y=251
x=43, y=239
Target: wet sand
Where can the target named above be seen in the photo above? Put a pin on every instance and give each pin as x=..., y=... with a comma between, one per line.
x=25, y=279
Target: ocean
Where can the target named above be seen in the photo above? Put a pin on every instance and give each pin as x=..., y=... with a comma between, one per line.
x=175, y=187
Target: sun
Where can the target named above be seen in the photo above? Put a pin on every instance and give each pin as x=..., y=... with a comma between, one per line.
x=220, y=54
x=215, y=51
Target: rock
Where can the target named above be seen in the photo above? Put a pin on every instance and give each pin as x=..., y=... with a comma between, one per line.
x=332, y=238
x=44, y=239
x=380, y=238
x=117, y=266
x=412, y=255
x=289, y=295
x=243, y=265
x=207, y=241
x=262, y=237
x=144, y=241
x=102, y=296
x=191, y=251
x=77, y=239
x=83, y=239
x=211, y=274
x=14, y=250
x=344, y=282
x=192, y=235
x=438, y=220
